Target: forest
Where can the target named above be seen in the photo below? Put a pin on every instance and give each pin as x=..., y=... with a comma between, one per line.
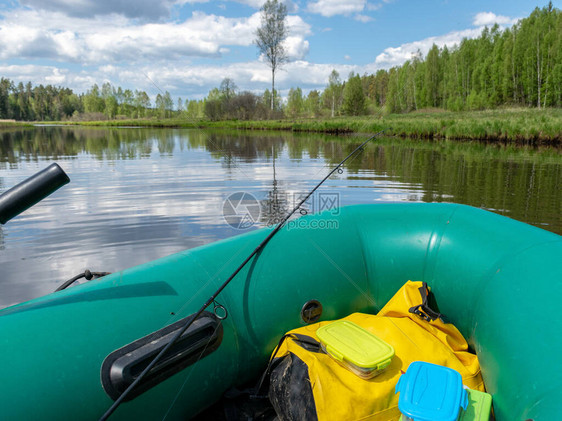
x=519, y=66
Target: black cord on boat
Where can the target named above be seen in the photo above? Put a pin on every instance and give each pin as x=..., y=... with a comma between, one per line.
x=211, y=299
x=86, y=274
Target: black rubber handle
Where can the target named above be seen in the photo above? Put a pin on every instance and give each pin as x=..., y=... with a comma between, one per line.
x=27, y=193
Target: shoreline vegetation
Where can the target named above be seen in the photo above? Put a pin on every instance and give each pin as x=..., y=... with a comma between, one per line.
x=12, y=124
x=513, y=125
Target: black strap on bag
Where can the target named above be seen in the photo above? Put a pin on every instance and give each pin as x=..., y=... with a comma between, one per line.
x=423, y=310
x=256, y=398
x=308, y=343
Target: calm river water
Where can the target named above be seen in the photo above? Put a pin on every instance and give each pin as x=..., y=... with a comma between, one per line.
x=140, y=194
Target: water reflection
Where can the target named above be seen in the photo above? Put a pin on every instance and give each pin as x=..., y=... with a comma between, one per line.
x=276, y=205
x=139, y=194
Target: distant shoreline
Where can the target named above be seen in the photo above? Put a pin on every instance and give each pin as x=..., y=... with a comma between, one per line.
x=8, y=124
x=514, y=125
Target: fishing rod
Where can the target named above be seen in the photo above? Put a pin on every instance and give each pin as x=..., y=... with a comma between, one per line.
x=212, y=298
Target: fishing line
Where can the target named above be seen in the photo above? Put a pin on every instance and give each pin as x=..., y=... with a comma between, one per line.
x=213, y=297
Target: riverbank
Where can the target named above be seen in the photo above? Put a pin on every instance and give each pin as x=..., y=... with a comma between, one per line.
x=8, y=124
x=516, y=125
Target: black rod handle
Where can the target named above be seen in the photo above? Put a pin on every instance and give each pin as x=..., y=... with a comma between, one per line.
x=29, y=192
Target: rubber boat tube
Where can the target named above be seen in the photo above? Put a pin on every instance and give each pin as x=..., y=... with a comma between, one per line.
x=498, y=280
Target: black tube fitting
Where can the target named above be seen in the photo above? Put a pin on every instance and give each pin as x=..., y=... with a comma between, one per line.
x=29, y=192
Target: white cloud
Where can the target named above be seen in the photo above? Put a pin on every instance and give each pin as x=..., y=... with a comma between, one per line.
x=297, y=26
x=145, y=9
x=192, y=81
x=363, y=18
x=50, y=75
x=296, y=47
x=148, y=10
x=137, y=51
x=330, y=8
x=28, y=34
x=373, y=6
x=489, y=19
x=196, y=81
x=395, y=56
x=252, y=3
x=58, y=77
x=186, y=81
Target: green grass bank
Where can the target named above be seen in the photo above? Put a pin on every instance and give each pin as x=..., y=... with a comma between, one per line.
x=11, y=124
x=519, y=125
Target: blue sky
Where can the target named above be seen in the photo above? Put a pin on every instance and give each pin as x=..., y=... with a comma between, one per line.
x=188, y=46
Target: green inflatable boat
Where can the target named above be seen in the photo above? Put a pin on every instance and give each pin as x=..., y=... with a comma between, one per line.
x=69, y=354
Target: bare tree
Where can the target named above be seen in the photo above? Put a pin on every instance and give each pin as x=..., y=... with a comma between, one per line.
x=270, y=36
x=228, y=92
x=228, y=88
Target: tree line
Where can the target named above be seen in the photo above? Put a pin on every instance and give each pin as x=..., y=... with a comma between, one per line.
x=519, y=66
x=40, y=103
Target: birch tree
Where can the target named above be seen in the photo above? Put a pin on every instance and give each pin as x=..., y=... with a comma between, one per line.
x=270, y=36
x=334, y=90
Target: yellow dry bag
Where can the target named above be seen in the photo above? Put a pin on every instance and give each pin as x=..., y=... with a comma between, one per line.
x=306, y=383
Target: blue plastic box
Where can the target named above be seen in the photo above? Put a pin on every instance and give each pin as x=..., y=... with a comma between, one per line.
x=430, y=392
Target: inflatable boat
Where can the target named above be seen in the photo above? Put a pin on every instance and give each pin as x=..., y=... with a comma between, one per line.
x=69, y=355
